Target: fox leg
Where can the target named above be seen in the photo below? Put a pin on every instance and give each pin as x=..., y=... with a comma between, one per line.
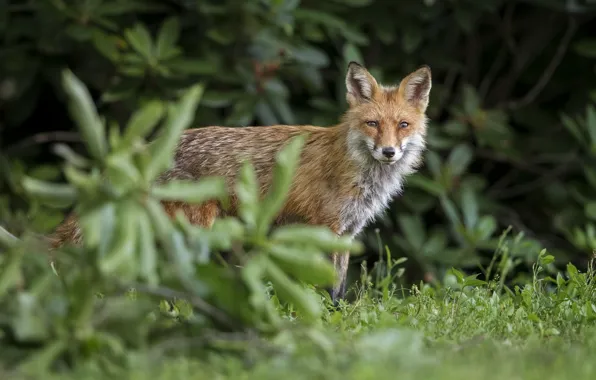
x=203, y=214
x=340, y=262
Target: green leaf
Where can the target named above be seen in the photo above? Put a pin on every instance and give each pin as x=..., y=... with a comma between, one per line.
x=140, y=40
x=579, y=238
x=7, y=240
x=572, y=271
x=586, y=47
x=352, y=53
x=458, y=275
x=435, y=244
x=264, y=112
x=310, y=55
x=293, y=293
x=70, y=156
x=413, y=229
x=469, y=205
x=591, y=124
x=459, y=159
x=591, y=235
x=58, y=195
x=219, y=99
x=304, y=264
x=428, y=185
x=247, y=191
x=119, y=258
x=590, y=210
x=205, y=189
x=573, y=128
x=224, y=232
x=83, y=111
x=89, y=184
x=286, y=162
x=148, y=260
x=179, y=118
x=10, y=270
x=161, y=223
x=486, y=227
x=451, y=211
x=166, y=38
x=548, y=259
x=243, y=111
x=471, y=100
x=282, y=109
x=122, y=172
x=142, y=122
x=473, y=281
x=456, y=128
x=28, y=323
x=315, y=236
x=433, y=160
x=252, y=275
x=106, y=44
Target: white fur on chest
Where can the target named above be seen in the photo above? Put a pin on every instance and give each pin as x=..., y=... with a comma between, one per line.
x=376, y=189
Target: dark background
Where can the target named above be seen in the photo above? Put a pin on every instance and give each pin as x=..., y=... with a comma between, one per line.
x=513, y=125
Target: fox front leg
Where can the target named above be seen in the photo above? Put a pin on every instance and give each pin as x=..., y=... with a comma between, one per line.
x=340, y=262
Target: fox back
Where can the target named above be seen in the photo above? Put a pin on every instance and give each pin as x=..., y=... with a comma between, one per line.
x=347, y=173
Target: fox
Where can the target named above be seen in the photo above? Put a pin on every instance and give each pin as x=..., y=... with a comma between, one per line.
x=347, y=173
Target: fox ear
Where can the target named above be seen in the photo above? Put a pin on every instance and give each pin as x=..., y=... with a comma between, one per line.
x=415, y=88
x=360, y=84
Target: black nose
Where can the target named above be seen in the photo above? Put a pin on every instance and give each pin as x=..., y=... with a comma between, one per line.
x=388, y=152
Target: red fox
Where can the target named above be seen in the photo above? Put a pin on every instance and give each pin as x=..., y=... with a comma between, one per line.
x=347, y=174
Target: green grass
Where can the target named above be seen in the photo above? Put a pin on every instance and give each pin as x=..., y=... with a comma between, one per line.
x=545, y=329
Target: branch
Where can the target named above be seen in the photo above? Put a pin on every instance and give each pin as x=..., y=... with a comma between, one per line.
x=536, y=184
x=507, y=28
x=492, y=73
x=548, y=71
x=448, y=88
x=528, y=48
x=42, y=138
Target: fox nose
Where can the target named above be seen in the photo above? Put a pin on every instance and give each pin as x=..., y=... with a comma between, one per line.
x=388, y=152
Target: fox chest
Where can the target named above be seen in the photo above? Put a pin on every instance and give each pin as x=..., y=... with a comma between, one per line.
x=369, y=200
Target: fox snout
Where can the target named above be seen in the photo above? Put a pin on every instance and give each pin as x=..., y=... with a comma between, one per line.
x=387, y=153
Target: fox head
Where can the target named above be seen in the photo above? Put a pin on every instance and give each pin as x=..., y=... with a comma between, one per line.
x=387, y=123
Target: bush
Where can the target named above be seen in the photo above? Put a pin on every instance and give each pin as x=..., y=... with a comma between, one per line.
x=131, y=247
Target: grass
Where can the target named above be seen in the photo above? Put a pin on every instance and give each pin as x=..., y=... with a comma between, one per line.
x=545, y=329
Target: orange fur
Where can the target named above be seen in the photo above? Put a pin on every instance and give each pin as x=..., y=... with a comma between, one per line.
x=343, y=180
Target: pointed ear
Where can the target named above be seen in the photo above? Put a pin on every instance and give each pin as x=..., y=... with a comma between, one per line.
x=361, y=86
x=415, y=88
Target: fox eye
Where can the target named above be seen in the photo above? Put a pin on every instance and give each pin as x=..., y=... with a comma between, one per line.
x=403, y=124
x=372, y=123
